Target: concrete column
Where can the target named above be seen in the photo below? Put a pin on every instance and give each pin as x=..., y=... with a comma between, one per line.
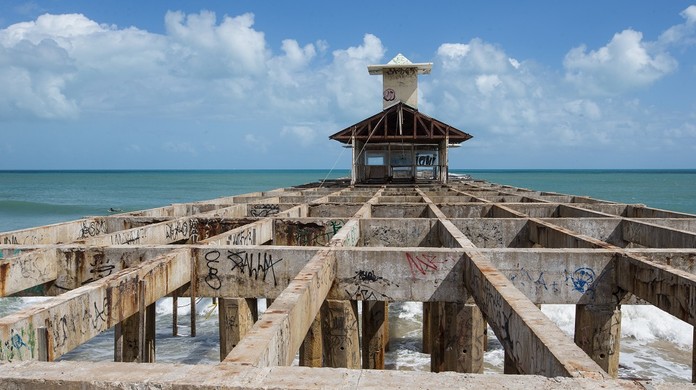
x=127, y=338
x=236, y=317
x=387, y=343
x=311, y=350
x=693, y=358
x=464, y=338
x=175, y=314
x=598, y=333
x=340, y=334
x=509, y=366
x=426, y=327
x=437, y=337
x=373, y=336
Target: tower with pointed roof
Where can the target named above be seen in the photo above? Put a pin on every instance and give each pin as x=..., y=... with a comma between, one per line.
x=400, y=144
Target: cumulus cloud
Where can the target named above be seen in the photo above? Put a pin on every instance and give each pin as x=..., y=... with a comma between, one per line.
x=348, y=80
x=681, y=34
x=223, y=69
x=625, y=63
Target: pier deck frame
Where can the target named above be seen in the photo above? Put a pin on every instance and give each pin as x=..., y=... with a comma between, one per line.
x=477, y=251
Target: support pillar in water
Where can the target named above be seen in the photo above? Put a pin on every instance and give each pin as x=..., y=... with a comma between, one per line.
x=374, y=335
x=437, y=336
x=340, y=334
x=311, y=350
x=236, y=317
x=127, y=338
x=598, y=333
x=464, y=333
x=426, y=327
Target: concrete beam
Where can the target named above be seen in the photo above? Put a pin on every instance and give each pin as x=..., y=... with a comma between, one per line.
x=27, y=269
x=122, y=376
x=78, y=315
x=275, y=339
x=522, y=328
x=656, y=236
x=668, y=288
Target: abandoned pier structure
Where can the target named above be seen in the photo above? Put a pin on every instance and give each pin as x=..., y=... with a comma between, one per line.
x=473, y=252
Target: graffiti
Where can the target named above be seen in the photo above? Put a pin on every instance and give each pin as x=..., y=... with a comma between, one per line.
x=180, y=230
x=59, y=327
x=423, y=263
x=425, y=159
x=99, y=268
x=340, y=330
x=312, y=234
x=364, y=286
x=129, y=237
x=264, y=210
x=245, y=237
x=526, y=277
x=389, y=94
x=92, y=228
x=582, y=279
x=11, y=240
x=254, y=265
x=100, y=316
x=212, y=279
x=193, y=227
x=176, y=230
x=352, y=237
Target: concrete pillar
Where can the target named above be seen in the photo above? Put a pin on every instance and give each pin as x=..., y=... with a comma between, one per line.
x=426, y=327
x=340, y=334
x=387, y=343
x=235, y=317
x=373, y=337
x=311, y=350
x=464, y=338
x=127, y=344
x=598, y=333
x=437, y=337
x=175, y=314
x=509, y=366
x=693, y=358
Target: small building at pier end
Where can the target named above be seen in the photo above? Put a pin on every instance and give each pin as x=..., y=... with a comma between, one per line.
x=400, y=144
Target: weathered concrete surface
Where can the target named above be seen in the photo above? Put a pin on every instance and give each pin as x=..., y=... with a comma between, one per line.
x=79, y=376
x=276, y=338
x=512, y=248
x=80, y=314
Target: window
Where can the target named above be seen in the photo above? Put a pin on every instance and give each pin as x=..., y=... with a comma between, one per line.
x=374, y=158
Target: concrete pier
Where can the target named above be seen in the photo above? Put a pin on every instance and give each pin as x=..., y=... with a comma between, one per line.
x=474, y=252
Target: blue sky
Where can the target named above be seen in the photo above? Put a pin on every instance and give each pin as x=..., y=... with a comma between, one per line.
x=246, y=84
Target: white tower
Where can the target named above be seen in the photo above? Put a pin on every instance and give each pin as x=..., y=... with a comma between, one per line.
x=400, y=80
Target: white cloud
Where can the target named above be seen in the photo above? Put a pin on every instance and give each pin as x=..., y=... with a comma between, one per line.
x=625, y=63
x=222, y=70
x=349, y=82
x=475, y=56
x=304, y=135
x=681, y=34
x=486, y=83
x=232, y=47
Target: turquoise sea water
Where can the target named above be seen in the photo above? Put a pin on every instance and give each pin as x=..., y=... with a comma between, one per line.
x=37, y=198
x=31, y=198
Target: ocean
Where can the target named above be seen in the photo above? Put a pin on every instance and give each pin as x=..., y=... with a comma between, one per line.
x=654, y=345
